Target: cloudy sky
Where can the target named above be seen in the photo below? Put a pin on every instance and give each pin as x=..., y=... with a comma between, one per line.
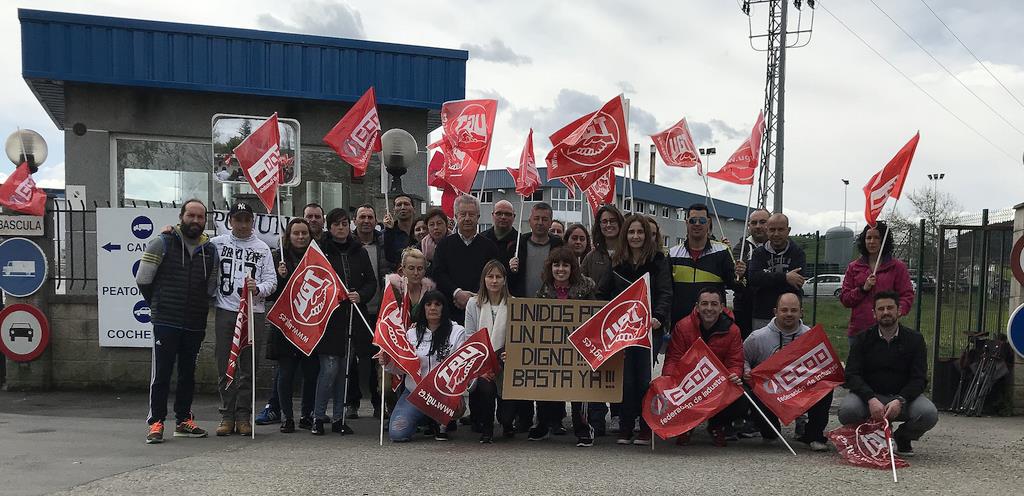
x=847, y=110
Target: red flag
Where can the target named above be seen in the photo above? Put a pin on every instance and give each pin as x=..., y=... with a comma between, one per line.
x=742, y=165
x=796, y=377
x=526, y=176
x=676, y=404
x=866, y=445
x=448, y=201
x=19, y=192
x=390, y=332
x=589, y=144
x=243, y=335
x=602, y=192
x=259, y=156
x=357, y=135
x=308, y=300
x=459, y=169
x=435, y=171
x=623, y=322
x=675, y=145
x=469, y=125
x=888, y=182
x=439, y=394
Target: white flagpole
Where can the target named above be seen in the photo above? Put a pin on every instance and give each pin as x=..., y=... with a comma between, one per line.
x=384, y=176
x=647, y=278
x=519, y=223
x=892, y=454
x=746, y=222
x=765, y=417
x=707, y=189
x=252, y=346
x=280, y=227
x=888, y=234
x=382, y=377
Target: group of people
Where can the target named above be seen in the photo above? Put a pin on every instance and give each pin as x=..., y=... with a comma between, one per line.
x=459, y=281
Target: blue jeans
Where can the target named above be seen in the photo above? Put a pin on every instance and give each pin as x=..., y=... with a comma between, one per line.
x=329, y=385
x=404, y=419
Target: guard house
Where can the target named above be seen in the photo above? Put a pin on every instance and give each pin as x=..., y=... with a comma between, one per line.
x=664, y=204
x=136, y=100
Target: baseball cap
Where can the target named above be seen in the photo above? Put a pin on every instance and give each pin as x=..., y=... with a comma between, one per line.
x=240, y=208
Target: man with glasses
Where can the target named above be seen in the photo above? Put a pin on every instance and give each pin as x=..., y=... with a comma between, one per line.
x=698, y=262
x=503, y=234
x=460, y=258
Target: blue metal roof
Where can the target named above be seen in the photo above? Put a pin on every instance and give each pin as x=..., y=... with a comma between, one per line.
x=643, y=191
x=58, y=47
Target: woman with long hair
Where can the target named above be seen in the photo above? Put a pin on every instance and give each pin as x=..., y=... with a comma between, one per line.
x=489, y=310
x=563, y=280
x=577, y=238
x=656, y=234
x=434, y=337
x=862, y=282
x=637, y=256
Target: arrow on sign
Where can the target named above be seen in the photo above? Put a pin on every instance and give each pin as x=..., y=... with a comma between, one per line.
x=110, y=247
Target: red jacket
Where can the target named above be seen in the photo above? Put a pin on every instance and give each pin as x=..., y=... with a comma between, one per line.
x=892, y=275
x=725, y=341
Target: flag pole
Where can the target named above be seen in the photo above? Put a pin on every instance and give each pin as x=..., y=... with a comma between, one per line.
x=647, y=280
x=707, y=189
x=252, y=346
x=384, y=176
x=888, y=234
x=770, y=424
x=746, y=221
x=892, y=454
x=519, y=223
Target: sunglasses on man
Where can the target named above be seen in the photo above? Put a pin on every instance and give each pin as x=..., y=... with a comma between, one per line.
x=697, y=220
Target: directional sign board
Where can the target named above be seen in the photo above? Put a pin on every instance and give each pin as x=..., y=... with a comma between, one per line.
x=22, y=267
x=24, y=332
x=1015, y=330
x=122, y=235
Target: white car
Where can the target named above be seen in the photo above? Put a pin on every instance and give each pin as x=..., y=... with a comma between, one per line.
x=828, y=285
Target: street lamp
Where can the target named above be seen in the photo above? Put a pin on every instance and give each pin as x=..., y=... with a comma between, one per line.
x=707, y=152
x=846, y=189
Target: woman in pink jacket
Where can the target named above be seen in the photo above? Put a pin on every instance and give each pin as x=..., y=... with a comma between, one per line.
x=860, y=285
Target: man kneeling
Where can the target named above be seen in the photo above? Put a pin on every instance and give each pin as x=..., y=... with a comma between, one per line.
x=886, y=376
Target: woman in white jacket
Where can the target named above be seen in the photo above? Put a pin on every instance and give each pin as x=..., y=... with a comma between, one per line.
x=434, y=336
x=489, y=310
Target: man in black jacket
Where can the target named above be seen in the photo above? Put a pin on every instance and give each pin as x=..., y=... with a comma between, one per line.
x=503, y=233
x=757, y=235
x=774, y=269
x=886, y=374
x=460, y=258
x=176, y=278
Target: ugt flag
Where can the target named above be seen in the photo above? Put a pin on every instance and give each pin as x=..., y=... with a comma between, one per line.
x=19, y=192
x=623, y=322
x=742, y=165
x=866, y=445
x=796, y=377
x=357, y=135
x=888, y=182
x=602, y=192
x=466, y=143
x=390, y=332
x=439, y=394
x=259, y=156
x=675, y=145
x=676, y=404
x=308, y=300
x=589, y=144
x=526, y=177
x=243, y=335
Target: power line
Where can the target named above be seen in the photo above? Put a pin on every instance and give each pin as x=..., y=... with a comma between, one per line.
x=922, y=90
x=943, y=66
x=982, y=64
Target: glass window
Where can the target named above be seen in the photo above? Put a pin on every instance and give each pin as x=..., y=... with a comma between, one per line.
x=484, y=227
x=626, y=204
x=640, y=206
x=560, y=201
x=665, y=212
x=651, y=208
x=487, y=197
x=537, y=196
x=162, y=171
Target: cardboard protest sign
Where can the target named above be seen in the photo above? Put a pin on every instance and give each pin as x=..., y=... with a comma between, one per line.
x=542, y=364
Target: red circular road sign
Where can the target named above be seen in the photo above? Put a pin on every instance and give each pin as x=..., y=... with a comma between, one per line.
x=24, y=332
x=1017, y=260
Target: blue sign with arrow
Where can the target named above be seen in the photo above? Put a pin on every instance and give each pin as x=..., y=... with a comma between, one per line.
x=22, y=267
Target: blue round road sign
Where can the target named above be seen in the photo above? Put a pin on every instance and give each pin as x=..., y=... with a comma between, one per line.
x=141, y=312
x=1015, y=330
x=22, y=267
x=142, y=227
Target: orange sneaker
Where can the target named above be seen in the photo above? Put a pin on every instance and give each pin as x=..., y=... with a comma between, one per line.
x=189, y=428
x=156, y=433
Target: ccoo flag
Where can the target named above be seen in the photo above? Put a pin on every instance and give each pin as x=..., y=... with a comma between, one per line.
x=796, y=377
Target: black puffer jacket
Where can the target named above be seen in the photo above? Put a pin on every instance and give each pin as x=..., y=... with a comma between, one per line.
x=277, y=344
x=179, y=295
x=352, y=264
x=624, y=274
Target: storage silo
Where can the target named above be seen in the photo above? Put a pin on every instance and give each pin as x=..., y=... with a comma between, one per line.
x=839, y=242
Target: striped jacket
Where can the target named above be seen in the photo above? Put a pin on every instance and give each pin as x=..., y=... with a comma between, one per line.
x=712, y=267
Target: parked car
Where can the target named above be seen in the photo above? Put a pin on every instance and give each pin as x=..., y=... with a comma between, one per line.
x=828, y=285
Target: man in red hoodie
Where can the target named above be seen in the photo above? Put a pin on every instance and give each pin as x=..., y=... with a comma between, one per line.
x=713, y=323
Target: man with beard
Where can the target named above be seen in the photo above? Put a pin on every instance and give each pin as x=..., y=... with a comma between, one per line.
x=887, y=373
x=398, y=233
x=314, y=214
x=757, y=235
x=176, y=278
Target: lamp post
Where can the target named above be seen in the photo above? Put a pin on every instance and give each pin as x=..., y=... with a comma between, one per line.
x=846, y=189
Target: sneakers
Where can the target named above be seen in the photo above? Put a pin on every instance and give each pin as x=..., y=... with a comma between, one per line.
x=539, y=433
x=305, y=423
x=225, y=427
x=625, y=438
x=440, y=436
x=717, y=436
x=268, y=416
x=613, y=427
x=243, y=427
x=486, y=439
x=903, y=448
x=287, y=426
x=558, y=430
x=817, y=446
x=683, y=439
x=643, y=438
x=156, y=433
x=340, y=427
x=801, y=425
x=317, y=429
x=584, y=442
x=188, y=428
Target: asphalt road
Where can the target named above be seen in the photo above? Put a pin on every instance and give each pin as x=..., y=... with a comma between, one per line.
x=93, y=443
